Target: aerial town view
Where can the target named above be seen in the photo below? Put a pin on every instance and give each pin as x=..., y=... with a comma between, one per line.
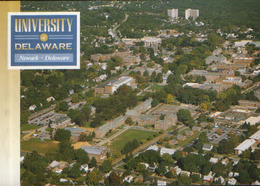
x=168, y=93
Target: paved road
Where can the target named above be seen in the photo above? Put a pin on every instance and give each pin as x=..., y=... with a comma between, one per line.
x=113, y=32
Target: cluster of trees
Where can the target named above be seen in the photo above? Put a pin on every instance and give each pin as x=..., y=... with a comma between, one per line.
x=85, y=137
x=221, y=14
x=114, y=106
x=226, y=146
x=135, y=24
x=80, y=117
x=204, y=118
x=185, y=117
x=228, y=97
x=196, y=163
x=248, y=171
x=130, y=146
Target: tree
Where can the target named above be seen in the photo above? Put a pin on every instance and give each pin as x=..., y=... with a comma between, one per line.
x=93, y=162
x=184, y=116
x=93, y=177
x=256, y=155
x=153, y=76
x=106, y=166
x=62, y=135
x=161, y=170
x=206, y=168
x=113, y=179
x=159, y=78
x=81, y=156
x=62, y=106
x=129, y=121
x=35, y=163
x=167, y=158
x=219, y=131
x=169, y=98
x=243, y=177
x=184, y=180
x=177, y=155
x=140, y=167
x=203, y=107
x=225, y=147
x=155, y=102
x=75, y=98
x=203, y=138
x=66, y=152
x=195, y=178
x=75, y=172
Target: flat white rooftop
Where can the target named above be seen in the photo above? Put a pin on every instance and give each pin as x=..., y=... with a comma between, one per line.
x=256, y=136
x=245, y=145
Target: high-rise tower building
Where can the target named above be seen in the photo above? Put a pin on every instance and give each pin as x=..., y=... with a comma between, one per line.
x=173, y=13
x=191, y=13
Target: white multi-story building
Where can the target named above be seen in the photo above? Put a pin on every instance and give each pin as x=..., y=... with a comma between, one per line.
x=173, y=13
x=191, y=13
x=124, y=80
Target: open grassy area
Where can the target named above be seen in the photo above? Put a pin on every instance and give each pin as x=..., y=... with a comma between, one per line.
x=119, y=142
x=39, y=146
x=29, y=127
x=156, y=87
x=189, y=139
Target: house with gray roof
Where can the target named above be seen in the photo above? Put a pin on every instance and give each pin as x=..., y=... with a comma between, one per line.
x=207, y=147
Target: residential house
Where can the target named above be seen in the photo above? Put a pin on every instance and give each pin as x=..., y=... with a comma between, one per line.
x=196, y=128
x=177, y=170
x=49, y=99
x=189, y=133
x=207, y=178
x=207, y=147
x=232, y=181
x=153, y=147
x=173, y=142
x=139, y=179
x=213, y=160
x=128, y=179
x=161, y=183
x=32, y=107
x=84, y=167
x=57, y=167
x=181, y=137
x=187, y=173
x=220, y=179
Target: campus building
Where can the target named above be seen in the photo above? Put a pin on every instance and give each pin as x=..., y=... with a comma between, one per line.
x=99, y=153
x=109, y=87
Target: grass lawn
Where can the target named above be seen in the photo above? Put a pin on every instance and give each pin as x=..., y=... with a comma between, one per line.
x=156, y=87
x=119, y=142
x=29, y=127
x=189, y=139
x=39, y=146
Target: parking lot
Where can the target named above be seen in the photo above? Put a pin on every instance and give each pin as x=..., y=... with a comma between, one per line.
x=46, y=118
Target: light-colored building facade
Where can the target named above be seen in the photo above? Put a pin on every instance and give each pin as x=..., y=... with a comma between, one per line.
x=191, y=13
x=173, y=13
